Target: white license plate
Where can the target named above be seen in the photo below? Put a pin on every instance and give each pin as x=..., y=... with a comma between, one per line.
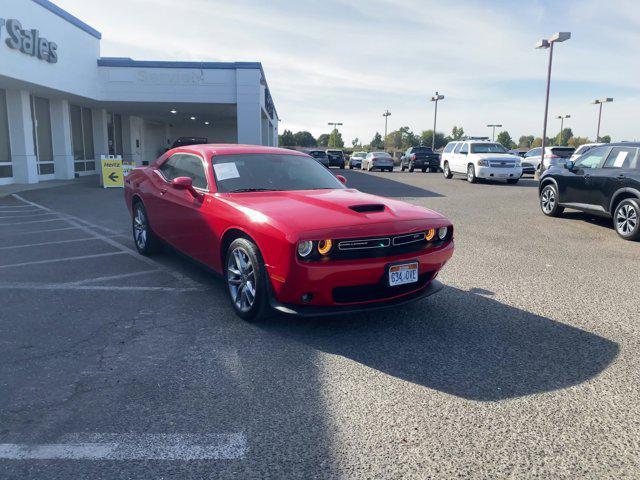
x=503, y=175
x=403, y=274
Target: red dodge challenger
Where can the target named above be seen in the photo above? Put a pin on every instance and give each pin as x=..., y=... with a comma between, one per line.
x=285, y=233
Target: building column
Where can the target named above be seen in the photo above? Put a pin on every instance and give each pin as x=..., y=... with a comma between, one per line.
x=23, y=155
x=131, y=138
x=61, y=139
x=249, y=111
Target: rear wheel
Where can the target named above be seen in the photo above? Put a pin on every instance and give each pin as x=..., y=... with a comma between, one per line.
x=549, y=201
x=146, y=242
x=424, y=169
x=446, y=171
x=411, y=167
x=626, y=219
x=402, y=167
x=246, y=280
x=471, y=174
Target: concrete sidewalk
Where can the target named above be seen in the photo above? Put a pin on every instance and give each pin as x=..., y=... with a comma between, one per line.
x=6, y=190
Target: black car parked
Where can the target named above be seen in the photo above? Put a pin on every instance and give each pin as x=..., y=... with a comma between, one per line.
x=420, y=157
x=604, y=181
x=336, y=158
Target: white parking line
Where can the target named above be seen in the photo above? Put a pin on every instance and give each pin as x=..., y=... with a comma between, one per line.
x=12, y=234
x=57, y=242
x=111, y=277
x=133, y=447
x=29, y=216
x=16, y=206
x=35, y=221
x=65, y=259
x=66, y=286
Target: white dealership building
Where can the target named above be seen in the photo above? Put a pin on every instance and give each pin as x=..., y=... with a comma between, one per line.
x=62, y=105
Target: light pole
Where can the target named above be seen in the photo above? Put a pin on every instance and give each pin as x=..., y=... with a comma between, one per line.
x=335, y=127
x=544, y=44
x=561, y=118
x=437, y=97
x=493, y=135
x=600, y=102
x=386, y=115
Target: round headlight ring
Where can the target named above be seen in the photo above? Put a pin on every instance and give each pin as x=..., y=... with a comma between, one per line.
x=324, y=246
x=442, y=232
x=430, y=235
x=305, y=248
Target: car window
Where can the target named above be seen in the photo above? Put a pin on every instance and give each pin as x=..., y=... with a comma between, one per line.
x=487, y=148
x=422, y=150
x=181, y=165
x=593, y=158
x=465, y=148
x=534, y=152
x=621, y=157
x=457, y=148
x=449, y=147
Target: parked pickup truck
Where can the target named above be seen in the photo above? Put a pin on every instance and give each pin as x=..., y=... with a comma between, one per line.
x=420, y=157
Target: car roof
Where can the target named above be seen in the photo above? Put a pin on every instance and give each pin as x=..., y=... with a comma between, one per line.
x=212, y=149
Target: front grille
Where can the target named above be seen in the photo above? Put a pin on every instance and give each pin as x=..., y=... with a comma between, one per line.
x=378, y=247
x=378, y=291
x=527, y=165
x=499, y=164
x=363, y=244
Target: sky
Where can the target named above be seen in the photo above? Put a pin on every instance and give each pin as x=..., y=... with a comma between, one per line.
x=349, y=61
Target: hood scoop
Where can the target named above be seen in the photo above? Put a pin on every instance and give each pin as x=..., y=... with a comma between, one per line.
x=368, y=208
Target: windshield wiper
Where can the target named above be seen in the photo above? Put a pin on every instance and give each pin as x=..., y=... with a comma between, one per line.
x=241, y=190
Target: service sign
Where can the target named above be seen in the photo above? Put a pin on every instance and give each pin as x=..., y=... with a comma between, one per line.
x=27, y=41
x=112, y=175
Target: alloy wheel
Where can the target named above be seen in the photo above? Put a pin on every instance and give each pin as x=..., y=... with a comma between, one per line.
x=548, y=200
x=470, y=173
x=140, y=228
x=241, y=279
x=626, y=219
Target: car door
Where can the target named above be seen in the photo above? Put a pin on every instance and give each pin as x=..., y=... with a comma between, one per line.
x=617, y=172
x=455, y=159
x=463, y=158
x=406, y=157
x=533, y=157
x=581, y=188
x=185, y=221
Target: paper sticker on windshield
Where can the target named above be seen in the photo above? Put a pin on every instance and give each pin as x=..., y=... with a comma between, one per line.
x=225, y=171
x=619, y=161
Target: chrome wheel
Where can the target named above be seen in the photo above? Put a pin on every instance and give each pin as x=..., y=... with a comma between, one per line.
x=241, y=279
x=140, y=231
x=548, y=200
x=626, y=219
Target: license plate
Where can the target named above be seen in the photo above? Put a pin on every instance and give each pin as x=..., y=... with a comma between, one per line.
x=503, y=175
x=403, y=274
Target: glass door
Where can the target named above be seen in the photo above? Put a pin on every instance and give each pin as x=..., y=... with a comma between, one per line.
x=42, y=142
x=6, y=168
x=114, y=131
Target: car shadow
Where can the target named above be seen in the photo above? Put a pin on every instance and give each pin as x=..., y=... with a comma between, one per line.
x=587, y=217
x=462, y=344
x=386, y=187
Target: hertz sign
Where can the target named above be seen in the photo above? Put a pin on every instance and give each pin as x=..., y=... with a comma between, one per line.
x=28, y=42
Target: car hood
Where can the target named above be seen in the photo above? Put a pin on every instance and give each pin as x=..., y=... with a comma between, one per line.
x=494, y=156
x=337, y=213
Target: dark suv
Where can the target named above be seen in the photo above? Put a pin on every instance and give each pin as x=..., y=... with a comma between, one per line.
x=336, y=158
x=420, y=157
x=604, y=181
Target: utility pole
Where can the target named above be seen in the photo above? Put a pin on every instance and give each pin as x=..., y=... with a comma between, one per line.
x=493, y=135
x=599, y=102
x=561, y=118
x=437, y=97
x=386, y=115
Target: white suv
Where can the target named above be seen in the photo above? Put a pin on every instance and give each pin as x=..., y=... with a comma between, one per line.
x=480, y=159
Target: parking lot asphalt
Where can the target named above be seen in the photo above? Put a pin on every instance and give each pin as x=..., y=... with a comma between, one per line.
x=527, y=364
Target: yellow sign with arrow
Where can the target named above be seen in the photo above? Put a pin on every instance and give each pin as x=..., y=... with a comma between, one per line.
x=112, y=174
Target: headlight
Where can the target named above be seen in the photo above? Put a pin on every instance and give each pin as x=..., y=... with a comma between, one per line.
x=430, y=235
x=324, y=246
x=442, y=232
x=305, y=248
x=483, y=163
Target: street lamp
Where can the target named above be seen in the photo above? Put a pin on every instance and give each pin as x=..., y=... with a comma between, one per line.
x=548, y=44
x=493, y=135
x=600, y=102
x=561, y=118
x=386, y=115
x=437, y=97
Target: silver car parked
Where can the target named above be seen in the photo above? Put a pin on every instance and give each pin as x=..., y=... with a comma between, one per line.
x=380, y=160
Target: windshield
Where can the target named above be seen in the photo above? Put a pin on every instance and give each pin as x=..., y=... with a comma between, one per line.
x=487, y=148
x=258, y=172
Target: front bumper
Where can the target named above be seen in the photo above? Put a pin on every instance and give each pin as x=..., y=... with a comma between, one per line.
x=312, y=311
x=498, y=173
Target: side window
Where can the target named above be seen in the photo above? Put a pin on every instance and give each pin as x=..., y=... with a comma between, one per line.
x=533, y=152
x=448, y=148
x=169, y=168
x=593, y=158
x=621, y=157
x=191, y=167
x=457, y=149
x=465, y=148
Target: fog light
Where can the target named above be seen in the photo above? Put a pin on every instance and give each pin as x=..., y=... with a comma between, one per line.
x=305, y=248
x=442, y=232
x=431, y=233
x=324, y=246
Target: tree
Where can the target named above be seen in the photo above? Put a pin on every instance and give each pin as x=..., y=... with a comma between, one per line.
x=335, y=139
x=286, y=139
x=605, y=139
x=355, y=142
x=427, y=135
x=377, y=141
x=457, y=133
x=538, y=142
x=526, y=141
x=402, y=139
x=304, y=139
x=563, y=137
x=505, y=139
x=323, y=140
x=575, y=142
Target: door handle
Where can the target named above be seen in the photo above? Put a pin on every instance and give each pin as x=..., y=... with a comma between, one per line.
x=163, y=191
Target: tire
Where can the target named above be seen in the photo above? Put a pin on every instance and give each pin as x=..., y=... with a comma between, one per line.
x=146, y=242
x=626, y=219
x=411, y=167
x=390, y=169
x=244, y=271
x=424, y=170
x=512, y=181
x=350, y=167
x=549, y=201
x=471, y=174
x=446, y=171
x=342, y=167
x=402, y=167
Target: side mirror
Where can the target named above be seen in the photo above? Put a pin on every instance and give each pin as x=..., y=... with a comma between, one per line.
x=342, y=179
x=569, y=165
x=185, y=183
